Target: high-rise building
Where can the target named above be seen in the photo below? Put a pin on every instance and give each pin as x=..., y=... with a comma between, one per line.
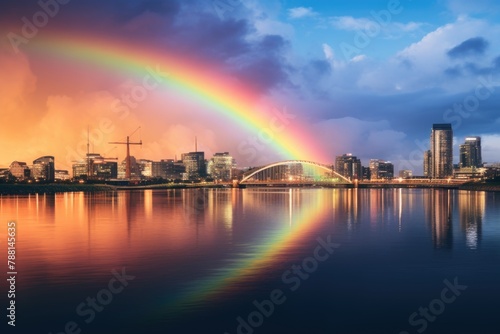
x=428, y=163
x=380, y=169
x=220, y=167
x=43, y=168
x=348, y=166
x=470, y=153
x=194, y=162
x=441, y=151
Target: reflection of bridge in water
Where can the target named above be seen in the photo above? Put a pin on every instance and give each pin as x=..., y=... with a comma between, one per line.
x=309, y=173
x=294, y=172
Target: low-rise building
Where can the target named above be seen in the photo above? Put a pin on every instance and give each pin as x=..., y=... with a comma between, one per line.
x=19, y=170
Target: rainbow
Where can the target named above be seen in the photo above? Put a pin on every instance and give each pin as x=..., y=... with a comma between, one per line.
x=201, y=82
x=207, y=85
x=265, y=254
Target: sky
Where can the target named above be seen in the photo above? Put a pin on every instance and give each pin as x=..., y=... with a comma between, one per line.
x=327, y=77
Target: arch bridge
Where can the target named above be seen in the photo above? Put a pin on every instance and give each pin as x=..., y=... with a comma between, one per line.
x=294, y=172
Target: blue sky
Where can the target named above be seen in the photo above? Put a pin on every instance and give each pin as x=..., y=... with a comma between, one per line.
x=379, y=73
x=369, y=77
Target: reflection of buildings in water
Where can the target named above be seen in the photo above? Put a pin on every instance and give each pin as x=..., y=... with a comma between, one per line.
x=195, y=203
x=351, y=207
x=345, y=205
x=400, y=208
x=131, y=201
x=376, y=205
x=438, y=208
x=382, y=203
x=471, y=207
x=49, y=204
x=45, y=206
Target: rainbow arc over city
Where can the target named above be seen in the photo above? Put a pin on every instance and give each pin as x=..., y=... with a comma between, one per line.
x=230, y=100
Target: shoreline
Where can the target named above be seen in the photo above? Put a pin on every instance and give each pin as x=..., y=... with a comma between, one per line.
x=31, y=189
x=54, y=188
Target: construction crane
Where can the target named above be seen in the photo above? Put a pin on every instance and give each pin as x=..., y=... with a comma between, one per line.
x=127, y=159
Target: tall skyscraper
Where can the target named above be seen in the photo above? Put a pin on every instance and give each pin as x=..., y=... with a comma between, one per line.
x=442, y=151
x=349, y=166
x=470, y=153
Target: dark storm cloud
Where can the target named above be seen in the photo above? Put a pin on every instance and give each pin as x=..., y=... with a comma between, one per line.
x=259, y=62
x=454, y=71
x=161, y=7
x=209, y=37
x=472, y=46
x=313, y=74
x=266, y=67
x=199, y=32
x=320, y=67
x=190, y=27
x=473, y=69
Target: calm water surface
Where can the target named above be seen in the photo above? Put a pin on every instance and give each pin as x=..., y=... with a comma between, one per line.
x=257, y=261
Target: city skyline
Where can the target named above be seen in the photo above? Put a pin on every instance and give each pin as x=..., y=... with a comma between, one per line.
x=193, y=166
x=250, y=166
x=457, y=158
x=264, y=81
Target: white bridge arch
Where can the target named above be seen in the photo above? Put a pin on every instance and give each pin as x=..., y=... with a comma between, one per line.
x=289, y=162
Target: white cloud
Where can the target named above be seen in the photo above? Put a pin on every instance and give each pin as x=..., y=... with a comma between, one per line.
x=263, y=16
x=408, y=27
x=301, y=12
x=423, y=64
x=328, y=51
x=330, y=56
x=370, y=27
x=358, y=58
x=351, y=23
x=349, y=134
